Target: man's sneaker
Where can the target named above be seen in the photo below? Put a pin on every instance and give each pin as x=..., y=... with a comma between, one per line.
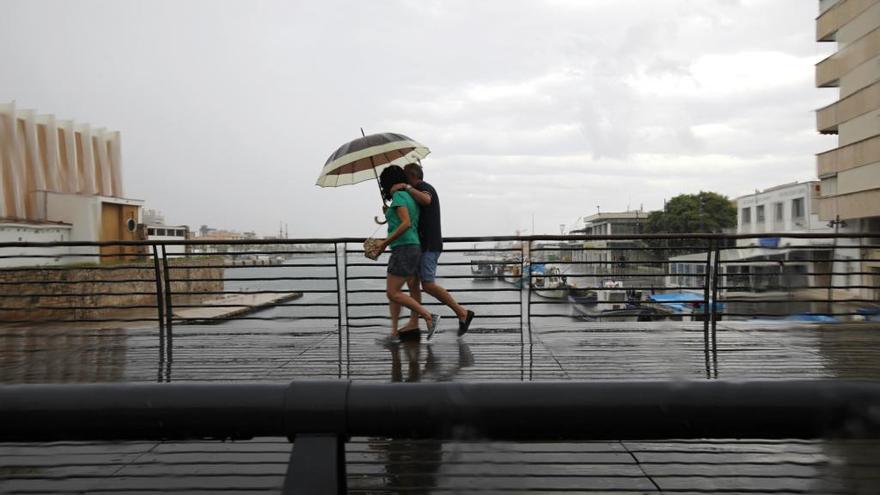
x=464, y=325
x=433, y=325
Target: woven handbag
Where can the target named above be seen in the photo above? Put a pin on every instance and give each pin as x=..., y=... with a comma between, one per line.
x=372, y=248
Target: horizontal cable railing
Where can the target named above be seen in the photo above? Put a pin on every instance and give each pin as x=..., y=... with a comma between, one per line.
x=513, y=279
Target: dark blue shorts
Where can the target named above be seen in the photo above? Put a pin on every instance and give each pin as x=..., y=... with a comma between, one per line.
x=428, y=266
x=404, y=261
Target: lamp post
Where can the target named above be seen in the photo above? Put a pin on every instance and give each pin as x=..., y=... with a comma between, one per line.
x=836, y=223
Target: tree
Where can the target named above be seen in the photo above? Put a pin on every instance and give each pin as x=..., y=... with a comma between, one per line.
x=706, y=212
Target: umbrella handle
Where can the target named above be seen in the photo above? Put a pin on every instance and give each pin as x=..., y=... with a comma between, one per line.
x=384, y=209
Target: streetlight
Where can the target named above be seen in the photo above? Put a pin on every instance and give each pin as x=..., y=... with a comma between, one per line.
x=837, y=223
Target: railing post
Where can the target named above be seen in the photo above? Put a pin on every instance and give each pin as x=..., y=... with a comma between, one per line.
x=317, y=465
x=716, y=275
x=169, y=309
x=706, y=285
x=339, y=288
x=160, y=298
x=345, y=286
x=529, y=290
x=522, y=306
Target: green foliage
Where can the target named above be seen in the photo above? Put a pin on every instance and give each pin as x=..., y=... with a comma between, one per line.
x=706, y=212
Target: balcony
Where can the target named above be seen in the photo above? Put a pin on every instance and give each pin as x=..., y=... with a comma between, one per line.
x=839, y=15
x=860, y=204
x=858, y=103
x=831, y=69
x=847, y=157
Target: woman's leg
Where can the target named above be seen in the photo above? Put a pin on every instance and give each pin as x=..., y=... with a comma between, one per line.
x=391, y=287
x=415, y=291
x=393, y=290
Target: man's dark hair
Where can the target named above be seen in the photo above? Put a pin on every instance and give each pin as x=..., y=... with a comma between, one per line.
x=390, y=176
x=415, y=169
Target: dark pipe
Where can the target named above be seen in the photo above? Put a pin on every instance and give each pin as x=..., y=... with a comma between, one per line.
x=499, y=411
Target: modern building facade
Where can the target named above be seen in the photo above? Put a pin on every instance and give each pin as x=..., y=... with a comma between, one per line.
x=850, y=173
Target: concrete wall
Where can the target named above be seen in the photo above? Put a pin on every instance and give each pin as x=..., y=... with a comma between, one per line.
x=80, y=287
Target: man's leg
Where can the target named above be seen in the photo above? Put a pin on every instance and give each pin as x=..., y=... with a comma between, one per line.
x=446, y=298
x=428, y=274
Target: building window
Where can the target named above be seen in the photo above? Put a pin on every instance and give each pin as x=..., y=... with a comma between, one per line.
x=759, y=214
x=778, y=213
x=797, y=209
x=151, y=231
x=746, y=216
x=161, y=232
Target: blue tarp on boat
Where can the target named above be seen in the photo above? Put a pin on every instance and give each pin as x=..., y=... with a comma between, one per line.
x=811, y=317
x=682, y=302
x=676, y=296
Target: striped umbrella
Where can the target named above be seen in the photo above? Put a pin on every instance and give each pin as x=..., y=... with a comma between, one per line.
x=365, y=157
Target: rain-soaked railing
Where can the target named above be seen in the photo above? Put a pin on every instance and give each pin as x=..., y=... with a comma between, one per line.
x=510, y=281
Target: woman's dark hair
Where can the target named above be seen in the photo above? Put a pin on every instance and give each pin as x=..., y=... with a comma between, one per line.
x=390, y=176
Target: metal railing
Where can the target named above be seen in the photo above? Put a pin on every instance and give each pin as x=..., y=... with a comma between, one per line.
x=594, y=278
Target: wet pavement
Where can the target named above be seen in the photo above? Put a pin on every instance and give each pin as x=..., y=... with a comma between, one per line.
x=586, y=351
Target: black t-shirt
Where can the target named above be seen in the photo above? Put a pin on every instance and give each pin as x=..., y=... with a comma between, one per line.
x=429, y=220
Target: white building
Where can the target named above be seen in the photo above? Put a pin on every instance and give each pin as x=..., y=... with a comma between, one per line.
x=598, y=258
x=59, y=179
x=162, y=232
x=778, y=262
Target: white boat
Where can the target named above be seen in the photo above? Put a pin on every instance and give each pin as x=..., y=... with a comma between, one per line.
x=613, y=303
x=550, y=284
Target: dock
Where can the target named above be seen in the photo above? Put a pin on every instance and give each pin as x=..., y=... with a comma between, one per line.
x=232, y=306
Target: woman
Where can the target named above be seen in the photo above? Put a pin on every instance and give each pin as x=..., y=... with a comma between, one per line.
x=403, y=238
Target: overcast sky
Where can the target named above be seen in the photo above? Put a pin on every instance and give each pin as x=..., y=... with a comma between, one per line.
x=545, y=109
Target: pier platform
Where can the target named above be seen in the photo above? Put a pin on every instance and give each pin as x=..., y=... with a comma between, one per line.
x=587, y=351
x=232, y=306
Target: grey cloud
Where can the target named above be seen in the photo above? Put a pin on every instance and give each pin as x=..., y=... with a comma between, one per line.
x=228, y=109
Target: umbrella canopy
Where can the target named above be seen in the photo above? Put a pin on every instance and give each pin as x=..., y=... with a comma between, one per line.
x=365, y=157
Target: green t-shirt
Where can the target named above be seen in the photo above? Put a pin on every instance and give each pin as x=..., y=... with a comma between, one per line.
x=411, y=236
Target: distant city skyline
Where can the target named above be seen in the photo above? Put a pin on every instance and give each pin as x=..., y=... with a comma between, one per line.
x=228, y=110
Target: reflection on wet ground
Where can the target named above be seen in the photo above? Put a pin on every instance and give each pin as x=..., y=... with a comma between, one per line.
x=381, y=465
x=588, y=351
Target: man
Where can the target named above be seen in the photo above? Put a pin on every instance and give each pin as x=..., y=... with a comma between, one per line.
x=432, y=246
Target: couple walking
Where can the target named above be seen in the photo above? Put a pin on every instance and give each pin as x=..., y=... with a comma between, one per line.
x=416, y=244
